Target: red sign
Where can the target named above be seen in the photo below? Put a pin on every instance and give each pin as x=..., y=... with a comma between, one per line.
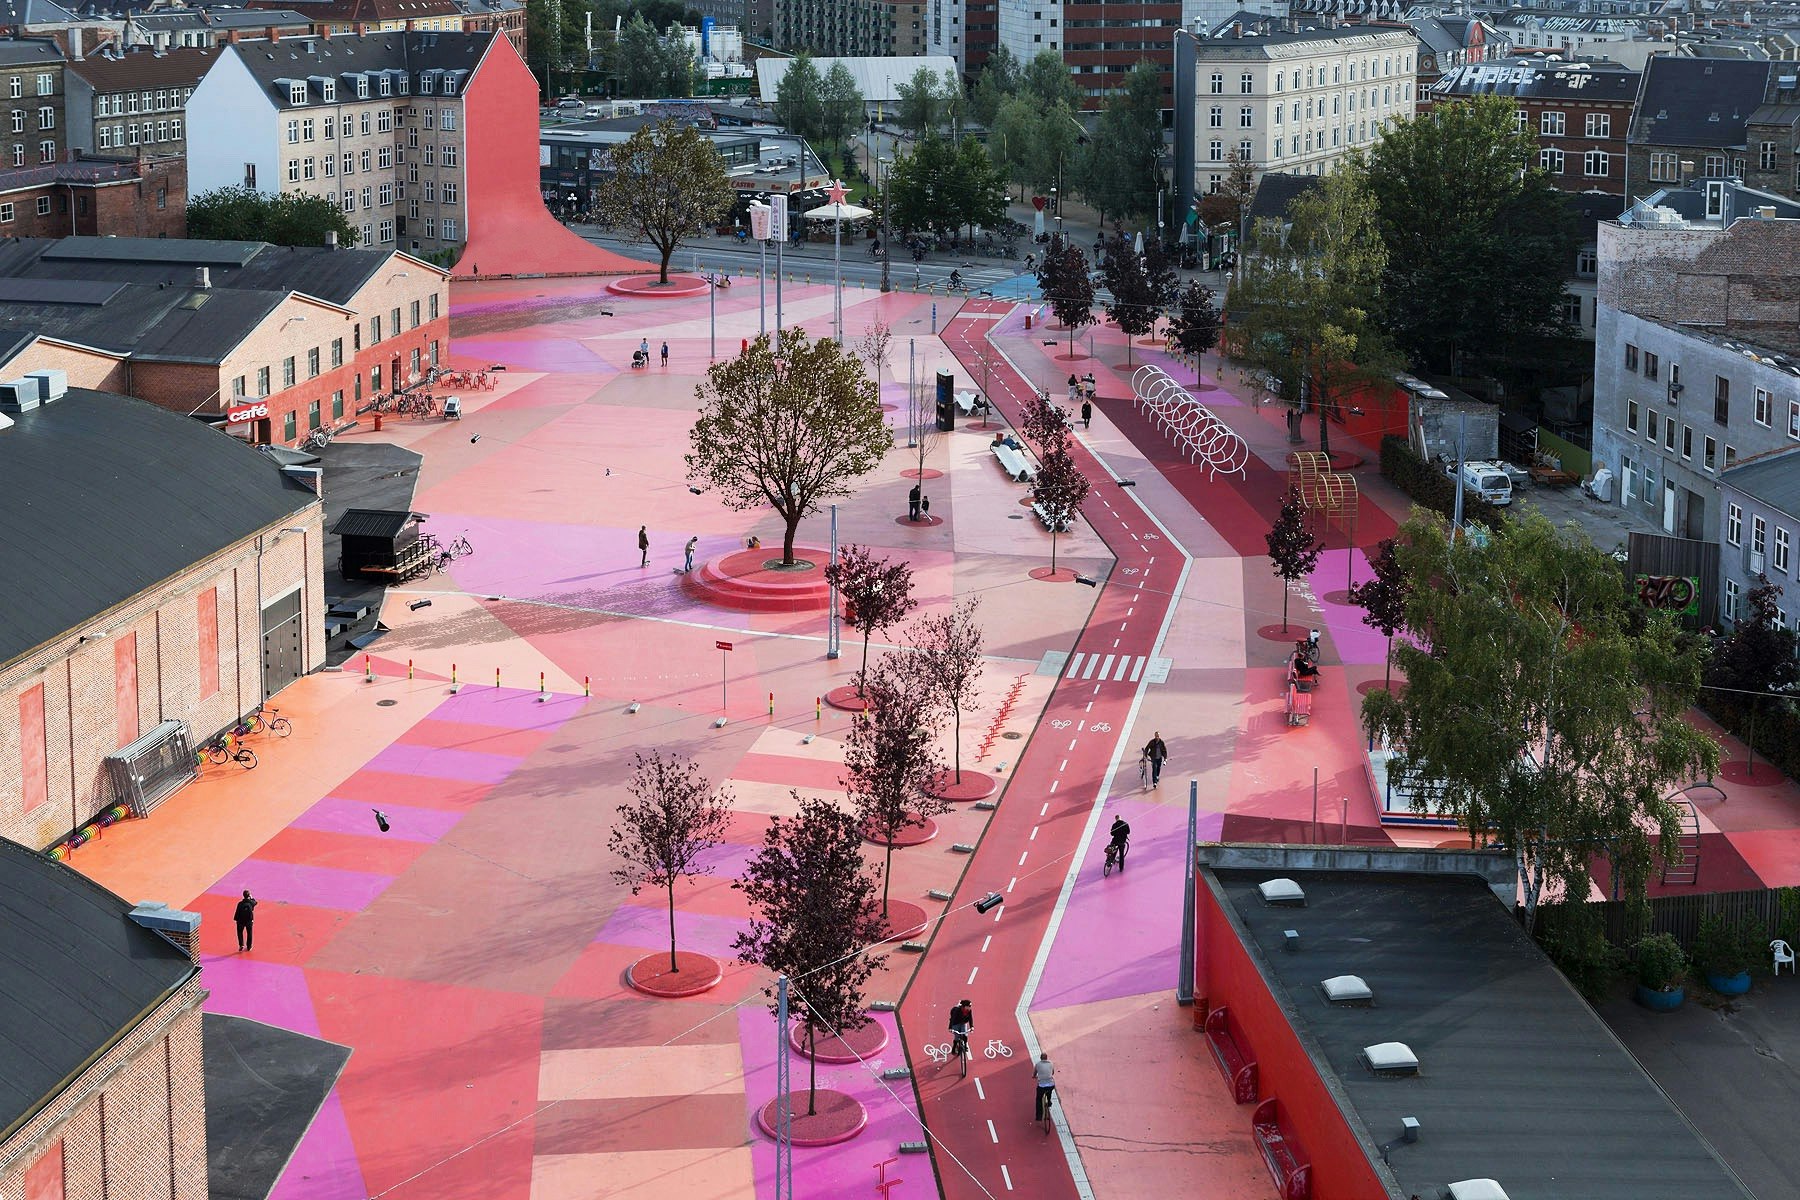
x=723, y=645
x=247, y=412
x=1038, y=202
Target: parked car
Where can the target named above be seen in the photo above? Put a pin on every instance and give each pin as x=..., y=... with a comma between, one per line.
x=1488, y=480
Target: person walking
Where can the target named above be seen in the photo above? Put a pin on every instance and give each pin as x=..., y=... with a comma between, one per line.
x=644, y=348
x=643, y=547
x=245, y=916
x=1046, y=1085
x=912, y=503
x=1074, y=389
x=1155, y=750
x=665, y=354
x=1087, y=413
x=687, y=555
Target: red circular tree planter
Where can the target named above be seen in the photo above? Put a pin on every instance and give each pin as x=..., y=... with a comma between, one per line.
x=1046, y=575
x=904, y=920
x=1761, y=774
x=679, y=287
x=1292, y=632
x=755, y=580
x=839, y=1117
x=694, y=973
x=853, y=1047
x=846, y=699
x=974, y=786
x=919, y=831
x=928, y=473
x=921, y=523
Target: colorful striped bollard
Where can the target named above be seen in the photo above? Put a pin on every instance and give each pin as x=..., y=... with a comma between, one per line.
x=771, y=705
x=455, y=687
x=818, y=708
x=368, y=671
x=409, y=668
x=496, y=677
x=585, y=690
x=543, y=696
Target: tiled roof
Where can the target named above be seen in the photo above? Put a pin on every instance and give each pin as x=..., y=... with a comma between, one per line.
x=310, y=60
x=144, y=68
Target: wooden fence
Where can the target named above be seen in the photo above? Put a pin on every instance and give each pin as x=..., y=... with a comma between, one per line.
x=1680, y=915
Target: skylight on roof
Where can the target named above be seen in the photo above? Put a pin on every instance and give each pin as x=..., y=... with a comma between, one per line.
x=1391, y=1058
x=1347, y=990
x=1477, y=1189
x=1282, y=891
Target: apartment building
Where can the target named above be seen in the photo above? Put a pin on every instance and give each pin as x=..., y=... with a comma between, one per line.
x=1579, y=113
x=193, y=27
x=1759, y=528
x=835, y=28
x=132, y=101
x=371, y=16
x=1694, y=111
x=1296, y=101
x=376, y=123
x=31, y=88
x=1099, y=42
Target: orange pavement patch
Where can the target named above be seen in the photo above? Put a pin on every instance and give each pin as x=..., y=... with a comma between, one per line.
x=345, y=851
x=789, y=771
x=617, y=1072
x=285, y=933
x=707, y=1173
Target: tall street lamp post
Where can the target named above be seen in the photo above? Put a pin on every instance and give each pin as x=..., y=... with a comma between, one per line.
x=886, y=169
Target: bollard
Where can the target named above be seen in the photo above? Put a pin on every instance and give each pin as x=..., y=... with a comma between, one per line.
x=409, y=669
x=368, y=671
x=496, y=676
x=585, y=690
x=818, y=708
x=771, y=704
x=543, y=696
x=455, y=687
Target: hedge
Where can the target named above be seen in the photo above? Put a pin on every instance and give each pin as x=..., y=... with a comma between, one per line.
x=1427, y=484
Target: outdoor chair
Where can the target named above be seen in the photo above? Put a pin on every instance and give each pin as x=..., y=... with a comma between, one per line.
x=1784, y=953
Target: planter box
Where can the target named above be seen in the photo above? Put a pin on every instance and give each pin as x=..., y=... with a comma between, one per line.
x=1657, y=1001
x=1729, y=985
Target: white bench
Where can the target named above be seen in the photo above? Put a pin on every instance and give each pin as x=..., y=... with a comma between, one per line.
x=969, y=403
x=1044, y=516
x=1017, y=466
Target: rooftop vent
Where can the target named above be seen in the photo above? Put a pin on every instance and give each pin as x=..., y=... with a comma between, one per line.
x=1347, y=990
x=1391, y=1058
x=1477, y=1189
x=1282, y=891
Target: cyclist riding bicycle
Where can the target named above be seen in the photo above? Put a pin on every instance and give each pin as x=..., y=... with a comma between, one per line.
x=1046, y=1085
x=1121, y=841
x=956, y=281
x=962, y=1022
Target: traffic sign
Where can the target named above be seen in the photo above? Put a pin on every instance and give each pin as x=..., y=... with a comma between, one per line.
x=723, y=645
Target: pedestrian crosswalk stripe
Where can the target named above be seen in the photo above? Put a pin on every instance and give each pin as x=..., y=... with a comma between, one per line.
x=1112, y=668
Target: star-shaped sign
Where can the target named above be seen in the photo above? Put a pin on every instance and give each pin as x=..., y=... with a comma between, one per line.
x=835, y=193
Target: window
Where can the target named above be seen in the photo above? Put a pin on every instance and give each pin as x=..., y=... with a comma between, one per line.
x=15, y=87
x=363, y=123
x=1631, y=416
x=415, y=315
x=1244, y=151
x=387, y=231
x=1278, y=114
x=349, y=163
x=449, y=227
x=1734, y=525
x=293, y=170
x=362, y=87
x=449, y=189
x=328, y=92
x=447, y=119
x=1721, y=400
x=430, y=154
x=1246, y=117
x=1215, y=119
x=347, y=201
x=19, y=154
x=1596, y=164
x=384, y=195
x=449, y=155
x=1715, y=166
x=1246, y=83
x=1767, y=156
x=430, y=117
x=329, y=162
x=1524, y=119
x=368, y=161
x=1765, y=408
x=293, y=133
x=337, y=404
x=1759, y=536
x=1215, y=151
x=1551, y=161
x=7, y=212
x=1794, y=419
x=385, y=85
x=1665, y=168
x=414, y=363
x=262, y=381
x=1781, y=549
x=1652, y=364
x=312, y=363
x=312, y=415
x=46, y=85
x=1599, y=125
x=1712, y=454
x=287, y=371
x=1653, y=426
x=1587, y=263
x=1631, y=357
x=296, y=93
x=237, y=386
x=431, y=306
x=18, y=120
x=1280, y=80
x=46, y=152
x=384, y=157
x=1218, y=83
x=306, y=169
x=46, y=118
x=434, y=353
x=394, y=320
x=368, y=196
x=250, y=175
x=1687, y=442
x=384, y=121
x=1571, y=310
x=431, y=227
x=1731, y=600
x=1669, y=434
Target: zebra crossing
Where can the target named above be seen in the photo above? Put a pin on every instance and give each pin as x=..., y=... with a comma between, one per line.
x=1113, y=668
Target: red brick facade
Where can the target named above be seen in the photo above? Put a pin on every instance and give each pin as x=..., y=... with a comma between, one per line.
x=144, y=197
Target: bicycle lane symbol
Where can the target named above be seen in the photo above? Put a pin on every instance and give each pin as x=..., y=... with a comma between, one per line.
x=997, y=1049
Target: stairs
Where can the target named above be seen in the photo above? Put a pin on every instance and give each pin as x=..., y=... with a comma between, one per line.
x=1687, y=868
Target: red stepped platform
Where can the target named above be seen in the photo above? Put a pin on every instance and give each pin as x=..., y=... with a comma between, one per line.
x=973, y=786
x=755, y=581
x=693, y=974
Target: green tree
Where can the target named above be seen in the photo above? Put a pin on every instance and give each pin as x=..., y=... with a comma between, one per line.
x=1300, y=315
x=842, y=104
x=891, y=758
x=920, y=184
x=1544, y=707
x=675, y=66
x=975, y=189
x=1046, y=78
x=673, y=818
x=557, y=50
x=1119, y=172
x=800, y=98
x=813, y=919
x=921, y=103
x=667, y=184
x=998, y=82
x=1293, y=550
x=640, y=59
x=1478, y=240
x=787, y=432
x=241, y=214
x=1757, y=659
x=1137, y=299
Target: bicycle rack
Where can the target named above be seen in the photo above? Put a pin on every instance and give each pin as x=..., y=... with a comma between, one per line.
x=1005, y=711
x=1200, y=436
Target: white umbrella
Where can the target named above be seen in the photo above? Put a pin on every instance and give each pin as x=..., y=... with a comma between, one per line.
x=837, y=212
x=1138, y=245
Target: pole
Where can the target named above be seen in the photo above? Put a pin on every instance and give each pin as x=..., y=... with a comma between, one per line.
x=780, y=234
x=784, y=1105
x=724, y=657
x=837, y=275
x=1462, y=426
x=712, y=319
x=912, y=399
x=831, y=614
x=762, y=270
x=1315, y=819
x=1184, y=979
x=887, y=228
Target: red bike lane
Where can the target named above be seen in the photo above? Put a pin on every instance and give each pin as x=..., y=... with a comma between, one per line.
x=984, y=1140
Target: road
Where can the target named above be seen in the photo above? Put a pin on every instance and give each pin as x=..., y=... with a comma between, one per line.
x=983, y=1139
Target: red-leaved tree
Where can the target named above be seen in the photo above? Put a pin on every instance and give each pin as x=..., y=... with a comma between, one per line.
x=891, y=759
x=876, y=593
x=674, y=816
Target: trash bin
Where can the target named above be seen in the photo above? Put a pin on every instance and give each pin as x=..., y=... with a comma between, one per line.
x=378, y=422
x=1028, y=318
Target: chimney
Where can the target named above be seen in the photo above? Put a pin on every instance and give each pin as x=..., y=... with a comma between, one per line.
x=203, y=278
x=331, y=242
x=231, y=37
x=274, y=35
x=1237, y=29
x=182, y=928
x=75, y=42
x=325, y=33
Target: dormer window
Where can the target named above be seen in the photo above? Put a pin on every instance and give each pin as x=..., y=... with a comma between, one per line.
x=328, y=90
x=387, y=86
x=425, y=84
x=362, y=87
x=405, y=83
x=296, y=93
x=449, y=85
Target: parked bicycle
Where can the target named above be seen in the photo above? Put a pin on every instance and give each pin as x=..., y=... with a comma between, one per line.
x=317, y=440
x=381, y=403
x=226, y=748
x=458, y=548
x=266, y=719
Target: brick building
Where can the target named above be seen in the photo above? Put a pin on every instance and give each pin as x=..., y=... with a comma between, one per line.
x=1579, y=113
x=198, y=592
x=1695, y=111
x=269, y=342
x=116, y=102
x=172, y=28
x=1099, y=42
x=506, y=17
x=31, y=89
x=100, y=1027
x=370, y=16
x=96, y=196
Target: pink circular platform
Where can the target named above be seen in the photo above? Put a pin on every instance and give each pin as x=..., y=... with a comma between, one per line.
x=1067, y=357
x=846, y=699
x=927, y=473
x=974, y=786
x=904, y=919
x=1293, y=631
x=679, y=287
x=838, y=1118
x=1374, y=685
x=694, y=973
x=918, y=831
x=1760, y=775
x=854, y=1047
x=1046, y=575
x=1341, y=596
x=922, y=522
x=1027, y=501
x=755, y=581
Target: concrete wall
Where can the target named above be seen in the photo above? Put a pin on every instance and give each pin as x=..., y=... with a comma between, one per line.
x=231, y=121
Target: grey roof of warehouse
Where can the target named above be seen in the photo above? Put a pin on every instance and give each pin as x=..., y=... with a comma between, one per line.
x=78, y=972
x=1697, y=101
x=109, y=497
x=1519, y=1080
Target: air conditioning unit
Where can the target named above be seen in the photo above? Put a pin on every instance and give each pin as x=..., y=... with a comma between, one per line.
x=1756, y=562
x=18, y=395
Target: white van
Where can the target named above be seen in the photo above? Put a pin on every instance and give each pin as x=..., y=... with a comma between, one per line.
x=1488, y=480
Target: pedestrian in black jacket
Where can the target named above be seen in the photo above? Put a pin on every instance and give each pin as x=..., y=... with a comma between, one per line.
x=245, y=916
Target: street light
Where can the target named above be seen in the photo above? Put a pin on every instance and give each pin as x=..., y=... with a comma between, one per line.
x=885, y=168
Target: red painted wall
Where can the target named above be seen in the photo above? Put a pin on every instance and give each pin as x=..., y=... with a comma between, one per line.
x=510, y=230
x=34, y=751
x=1226, y=976
x=207, y=618
x=125, y=684
x=44, y=1178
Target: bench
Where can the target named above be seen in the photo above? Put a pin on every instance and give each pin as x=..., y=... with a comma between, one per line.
x=1016, y=465
x=1284, y=1156
x=969, y=403
x=1232, y=1055
x=1044, y=516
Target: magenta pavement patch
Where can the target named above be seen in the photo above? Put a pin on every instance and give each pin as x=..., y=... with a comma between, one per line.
x=648, y=929
x=324, y=1165
x=408, y=823
x=439, y=762
x=504, y=708
x=273, y=993
x=1354, y=641
x=1121, y=935
x=293, y=883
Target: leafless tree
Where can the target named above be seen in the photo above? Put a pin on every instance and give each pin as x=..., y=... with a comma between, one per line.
x=674, y=816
